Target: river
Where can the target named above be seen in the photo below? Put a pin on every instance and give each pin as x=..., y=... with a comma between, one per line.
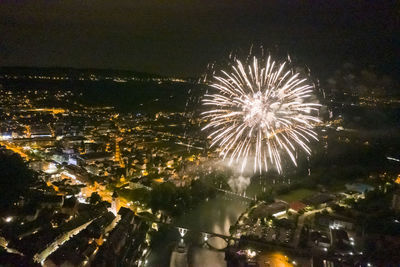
x=215, y=215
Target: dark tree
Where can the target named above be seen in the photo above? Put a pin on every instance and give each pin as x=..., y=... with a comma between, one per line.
x=15, y=178
x=94, y=198
x=162, y=196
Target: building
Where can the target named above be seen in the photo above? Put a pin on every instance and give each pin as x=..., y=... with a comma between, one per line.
x=359, y=187
x=275, y=209
x=318, y=200
x=334, y=221
x=396, y=200
x=296, y=206
x=115, y=203
x=93, y=157
x=125, y=243
x=340, y=242
x=40, y=131
x=318, y=261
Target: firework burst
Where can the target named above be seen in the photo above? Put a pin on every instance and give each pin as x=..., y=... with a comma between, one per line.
x=260, y=111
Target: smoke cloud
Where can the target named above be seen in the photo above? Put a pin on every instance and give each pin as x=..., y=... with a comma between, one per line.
x=239, y=184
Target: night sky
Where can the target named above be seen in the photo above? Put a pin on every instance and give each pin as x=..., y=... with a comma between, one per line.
x=179, y=37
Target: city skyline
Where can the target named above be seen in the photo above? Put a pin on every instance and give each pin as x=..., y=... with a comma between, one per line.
x=181, y=133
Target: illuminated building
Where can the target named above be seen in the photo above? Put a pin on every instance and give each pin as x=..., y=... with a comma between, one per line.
x=115, y=203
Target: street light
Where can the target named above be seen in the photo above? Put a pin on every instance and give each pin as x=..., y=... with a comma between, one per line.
x=251, y=253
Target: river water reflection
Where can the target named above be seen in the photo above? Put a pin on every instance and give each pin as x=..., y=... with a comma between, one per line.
x=216, y=216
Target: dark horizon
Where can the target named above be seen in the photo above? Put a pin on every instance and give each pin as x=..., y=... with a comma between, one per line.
x=66, y=68
x=181, y=38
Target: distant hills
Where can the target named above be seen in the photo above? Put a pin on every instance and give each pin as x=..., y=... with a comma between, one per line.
x=74, y=72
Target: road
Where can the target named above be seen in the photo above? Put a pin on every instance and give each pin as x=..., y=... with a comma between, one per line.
x=178, y=259
x=300, y=224
x=15, y=149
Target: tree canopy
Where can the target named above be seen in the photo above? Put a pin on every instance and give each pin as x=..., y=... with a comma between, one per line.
x=15, y=178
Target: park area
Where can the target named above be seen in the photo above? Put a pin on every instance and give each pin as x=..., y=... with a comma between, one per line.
x=297, y=195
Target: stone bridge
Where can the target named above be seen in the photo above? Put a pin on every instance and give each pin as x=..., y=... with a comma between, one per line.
x=205, y=235
x=235, y=195
x=230, y=240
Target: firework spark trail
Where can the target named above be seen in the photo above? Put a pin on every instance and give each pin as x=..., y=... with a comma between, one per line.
x=260, y=111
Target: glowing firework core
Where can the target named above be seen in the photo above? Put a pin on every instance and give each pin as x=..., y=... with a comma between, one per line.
x=259, y=111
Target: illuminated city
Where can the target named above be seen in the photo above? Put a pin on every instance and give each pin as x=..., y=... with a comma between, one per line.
x=199, y=133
